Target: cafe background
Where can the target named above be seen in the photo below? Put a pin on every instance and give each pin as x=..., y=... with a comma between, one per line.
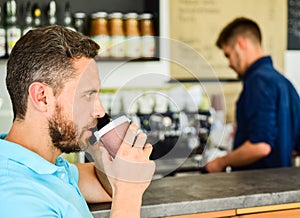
x=185, y=66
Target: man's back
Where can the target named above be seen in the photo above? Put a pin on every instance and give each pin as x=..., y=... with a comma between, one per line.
x=268, y=111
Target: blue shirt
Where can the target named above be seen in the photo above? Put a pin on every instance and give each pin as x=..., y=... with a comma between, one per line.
x=31, y=187
x=268, y=110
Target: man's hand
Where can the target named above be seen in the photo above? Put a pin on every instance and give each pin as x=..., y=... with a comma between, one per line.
x=216, y=165
x=246, y=154
x=129, y=173
x=131, y=164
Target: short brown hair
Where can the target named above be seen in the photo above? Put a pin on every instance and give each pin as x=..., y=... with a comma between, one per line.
x=239, y=27
x=44, y=55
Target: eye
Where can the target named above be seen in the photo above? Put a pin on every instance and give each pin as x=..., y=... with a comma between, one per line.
x=88, y=95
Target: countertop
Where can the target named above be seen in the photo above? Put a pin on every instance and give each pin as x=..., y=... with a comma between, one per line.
x=217, y=191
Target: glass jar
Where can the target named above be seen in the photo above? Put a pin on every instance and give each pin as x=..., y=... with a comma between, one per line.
x=13, y=31
x=133, y=39
x=117, y=49
x=147, y=35
x=99, y=32
x=79, y=22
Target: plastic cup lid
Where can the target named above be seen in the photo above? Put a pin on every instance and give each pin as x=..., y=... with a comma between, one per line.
x=110, y=126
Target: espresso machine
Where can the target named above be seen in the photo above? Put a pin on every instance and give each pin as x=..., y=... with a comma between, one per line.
x=175, y=134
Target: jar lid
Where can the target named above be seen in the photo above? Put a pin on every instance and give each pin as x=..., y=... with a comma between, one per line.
x=115, y=15
x=79, y=15
x=131, y=15
x=145, y=16
x=99, y=14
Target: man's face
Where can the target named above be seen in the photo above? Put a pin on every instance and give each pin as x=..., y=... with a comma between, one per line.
x=77, y=108
x=233, y=53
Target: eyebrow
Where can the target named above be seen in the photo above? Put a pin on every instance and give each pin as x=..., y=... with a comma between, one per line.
x=91, y=91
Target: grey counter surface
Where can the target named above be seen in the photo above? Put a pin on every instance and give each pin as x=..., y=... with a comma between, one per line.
x=218, y=191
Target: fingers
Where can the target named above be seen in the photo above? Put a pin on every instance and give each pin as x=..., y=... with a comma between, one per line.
x=140, y=140
x=130, y=134
x=132, y=139
x=135, y=142
x=148, y=149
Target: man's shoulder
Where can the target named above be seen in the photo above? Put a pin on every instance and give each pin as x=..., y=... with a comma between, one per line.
x=268, y=79
x=31, y=196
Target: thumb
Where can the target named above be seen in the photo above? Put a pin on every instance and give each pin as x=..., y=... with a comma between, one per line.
x=105, y=154
x=103, y=160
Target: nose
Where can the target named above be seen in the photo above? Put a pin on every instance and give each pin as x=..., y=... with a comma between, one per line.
x=99, y=110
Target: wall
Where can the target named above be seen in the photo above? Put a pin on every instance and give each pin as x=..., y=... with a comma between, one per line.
x=5, y=110
x=197, y=23
x=292, y=56
x=292, y=66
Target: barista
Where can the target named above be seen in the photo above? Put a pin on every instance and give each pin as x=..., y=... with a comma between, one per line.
x=267, y=111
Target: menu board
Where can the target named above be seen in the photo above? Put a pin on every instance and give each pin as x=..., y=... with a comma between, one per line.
x=293, y=25
x=196, y=24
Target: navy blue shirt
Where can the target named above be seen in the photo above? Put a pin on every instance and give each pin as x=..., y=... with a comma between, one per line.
x=268, y=110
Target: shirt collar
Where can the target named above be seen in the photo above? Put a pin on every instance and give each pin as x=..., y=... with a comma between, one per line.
x=28, y=158
x=266, y=60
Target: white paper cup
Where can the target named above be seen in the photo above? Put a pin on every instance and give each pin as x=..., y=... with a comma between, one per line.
x=112, y=134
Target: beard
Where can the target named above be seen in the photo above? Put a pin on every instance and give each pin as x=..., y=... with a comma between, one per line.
x=238, y=67
x=65, y=134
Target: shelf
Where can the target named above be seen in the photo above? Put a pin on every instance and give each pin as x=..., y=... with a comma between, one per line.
x=126, y=59
x=208, y=80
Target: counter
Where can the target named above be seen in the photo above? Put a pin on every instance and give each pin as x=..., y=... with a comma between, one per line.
x=200, y=193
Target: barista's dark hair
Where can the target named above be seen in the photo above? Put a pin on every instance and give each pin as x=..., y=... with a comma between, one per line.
x=239, y=27
x=44, y=55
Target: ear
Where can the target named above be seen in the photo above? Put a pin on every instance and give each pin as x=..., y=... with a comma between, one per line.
x=39, y=95
x=242, y=43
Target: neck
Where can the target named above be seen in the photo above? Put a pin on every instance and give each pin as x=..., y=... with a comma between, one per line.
x=35, y=138
x=255, y=54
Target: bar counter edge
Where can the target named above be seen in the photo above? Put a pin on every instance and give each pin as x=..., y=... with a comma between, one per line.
x=200, y=193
